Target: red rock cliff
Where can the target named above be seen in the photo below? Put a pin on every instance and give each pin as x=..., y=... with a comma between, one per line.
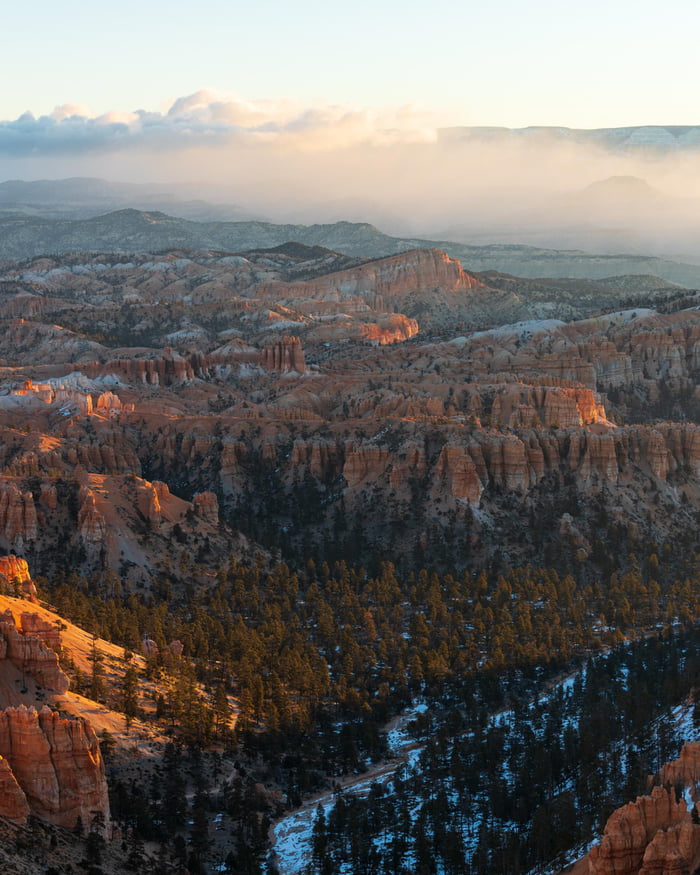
x=644, y=837
x=56, y=763
x=29, y=653
x=15, y=571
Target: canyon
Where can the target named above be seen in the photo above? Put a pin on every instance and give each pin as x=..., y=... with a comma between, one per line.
x=342, y=382
x=166, y=416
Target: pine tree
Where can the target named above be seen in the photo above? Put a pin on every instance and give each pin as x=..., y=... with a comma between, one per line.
x=130, y=695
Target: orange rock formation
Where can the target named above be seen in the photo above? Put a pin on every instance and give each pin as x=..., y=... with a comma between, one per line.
x=28, y=652
x=15, y=572
x=56, y=764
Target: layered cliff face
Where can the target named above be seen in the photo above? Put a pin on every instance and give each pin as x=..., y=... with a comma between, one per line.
x=206, y=506
x=685, y=770
x=18, y=519
x=656, y=834
x=355, y=392
x=15, y=573
x=13, y=801
x=393, y=277
x=514, y=461
x=630, y=830
x=673, y=850
x=56, y=766
x=50, y=766
x=438, y=474
x=285, y=355
x=26, y=647
x=517, y=405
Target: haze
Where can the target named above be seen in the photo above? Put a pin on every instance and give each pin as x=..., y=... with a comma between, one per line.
x=285, y=161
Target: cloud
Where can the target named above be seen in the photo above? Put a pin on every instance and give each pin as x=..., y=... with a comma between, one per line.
x=396, y=167
x=207, y=118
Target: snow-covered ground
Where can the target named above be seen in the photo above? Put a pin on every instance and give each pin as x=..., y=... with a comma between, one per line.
x=292, y=835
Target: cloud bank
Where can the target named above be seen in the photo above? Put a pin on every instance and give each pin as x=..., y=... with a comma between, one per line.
x=207, y=119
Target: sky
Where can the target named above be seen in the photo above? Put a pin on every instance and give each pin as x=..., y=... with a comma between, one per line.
x=319, y=102
x=507, y=62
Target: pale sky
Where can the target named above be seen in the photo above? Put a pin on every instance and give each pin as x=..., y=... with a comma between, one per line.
x=600, y=63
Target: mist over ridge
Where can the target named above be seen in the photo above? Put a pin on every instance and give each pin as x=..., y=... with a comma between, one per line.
x=224, y=158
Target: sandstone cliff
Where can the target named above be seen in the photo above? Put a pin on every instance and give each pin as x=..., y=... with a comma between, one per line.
x=686, y=769
x=13, y=802
x=56, y=765
x=392, y=277
x=15, y=572
x=27, y=649
x=285, y=355
x=18, y=520
x=630, y=830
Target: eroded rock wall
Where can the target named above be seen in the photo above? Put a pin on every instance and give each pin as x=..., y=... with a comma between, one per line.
x=56, y=765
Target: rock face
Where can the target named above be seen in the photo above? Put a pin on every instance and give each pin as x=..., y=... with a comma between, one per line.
x=392, y=278
x=29, y=653
x=157, y=370
x=206, y=506
x=56, y=764
x=517, y=405
x=15, y=571
x=18, y=520
x=149, y=498
x=13, y=802
x=35, y=626
x=654, y=835
x=674, y=850
x=286, y=355
x=457, y=470
x=91, y=524
x=686, y=769
x=109, y=404
x=519, y=461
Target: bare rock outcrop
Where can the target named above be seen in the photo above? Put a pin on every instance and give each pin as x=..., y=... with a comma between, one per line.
x=318, y=458
x=30, y=654
x=206, y=506
x=157, y=370
x=18, y=519
x=35, y=626
x=630, y=830
x=686, y=769
x=517, y=405
x=392, y=328
x=109, y=454
x=364, y=462
x=457, y=470
x=91, y=523
x=13, y=802
x=56, y=762
x=149, y=502
x=391, y=277
x=15, y=573
x=286, y=355
x=673, y=851
x=49, y=496
x=108, y=404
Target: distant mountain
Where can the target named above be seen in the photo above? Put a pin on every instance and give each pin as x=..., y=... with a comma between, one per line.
x=620, y=188
x=84, y=197
x=657, y=137
x=134, y=231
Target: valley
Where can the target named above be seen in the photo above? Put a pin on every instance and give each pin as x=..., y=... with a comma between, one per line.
x=266, y=494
